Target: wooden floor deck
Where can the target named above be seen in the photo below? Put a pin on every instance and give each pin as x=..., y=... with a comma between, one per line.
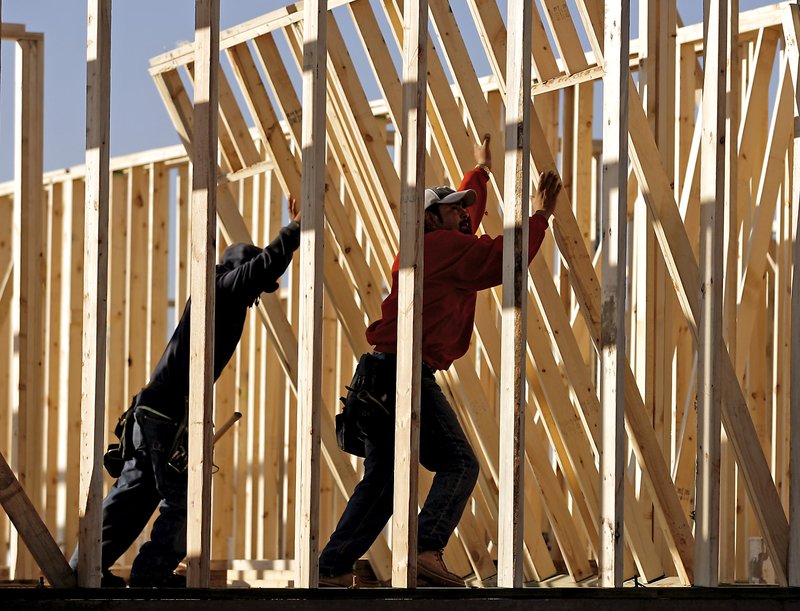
x=740, y=598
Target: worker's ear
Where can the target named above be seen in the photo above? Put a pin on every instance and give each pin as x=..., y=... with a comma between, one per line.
x=432, y=220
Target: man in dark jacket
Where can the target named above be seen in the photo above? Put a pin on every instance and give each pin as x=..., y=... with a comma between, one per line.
x=457, y=265
x=148, y=479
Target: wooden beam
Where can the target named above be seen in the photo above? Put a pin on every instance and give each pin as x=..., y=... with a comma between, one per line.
x=515, y=295
x=309, y=364
x=657, y=81
x=32, y=530
x=409, y=300
x=749, y=22
x=95, y=290
x=791, y=33
x=568, y=80
x=69, y=393
x=566, y=36
x=731, y=256
x=29, y=266
x=204, y=233
x=157, y=245
x=544, y=60
x=612, y=330
x=712, y=198
x=117, y=400
x=17, y=33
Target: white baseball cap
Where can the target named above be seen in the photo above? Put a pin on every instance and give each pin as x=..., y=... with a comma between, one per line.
x=446, y=195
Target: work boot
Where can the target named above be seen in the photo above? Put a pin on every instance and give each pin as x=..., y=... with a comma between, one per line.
x=346, y=580
x=109, y=580
x=432, y=571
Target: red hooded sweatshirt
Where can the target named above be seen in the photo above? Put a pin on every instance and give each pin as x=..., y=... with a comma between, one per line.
x=456, y=267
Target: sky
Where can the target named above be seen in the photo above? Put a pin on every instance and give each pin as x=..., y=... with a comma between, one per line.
x=141, y=29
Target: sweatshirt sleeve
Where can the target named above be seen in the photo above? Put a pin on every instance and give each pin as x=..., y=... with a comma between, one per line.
x=481, y=264
x=261, y=273
x=476, y=179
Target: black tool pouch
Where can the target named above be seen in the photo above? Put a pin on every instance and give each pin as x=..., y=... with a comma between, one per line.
x=113, y=461
x=118, y=453
x=368, y=408
x=179, y=452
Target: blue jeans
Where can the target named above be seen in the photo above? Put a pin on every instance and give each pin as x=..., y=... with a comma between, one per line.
x=145, y=483
x=444, y=450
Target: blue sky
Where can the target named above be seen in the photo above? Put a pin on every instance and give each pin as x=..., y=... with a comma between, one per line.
x=141, y=29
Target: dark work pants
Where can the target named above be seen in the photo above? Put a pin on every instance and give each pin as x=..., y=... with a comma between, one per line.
x=444, y=450
x=145, y=483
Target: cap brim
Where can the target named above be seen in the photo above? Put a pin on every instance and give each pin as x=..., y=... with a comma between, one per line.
x=465, y=198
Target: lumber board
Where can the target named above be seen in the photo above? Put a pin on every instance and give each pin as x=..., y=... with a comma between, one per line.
x=29, y=283
x=203, y=259
x=709, y=322
x=409, y=301
x=222, y=522
x=116, y=400
x=6, y=352
x=544, y=59
x=612, y=333
x=566, y=36
x=309, y=364
x=32, y=529
x=135, y=282
x=95, y=288
x=52, y=241
x=232, y=120
x=157, y=260
x=658, y=54
x=791, y=29
x=516, y=206
x=70, y=351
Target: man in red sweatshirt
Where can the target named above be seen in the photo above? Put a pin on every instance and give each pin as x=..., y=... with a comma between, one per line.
x=457, y=265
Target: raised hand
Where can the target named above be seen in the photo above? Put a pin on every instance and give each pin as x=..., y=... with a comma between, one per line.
x=482, y=152
x=547, y=193
x=294, y=208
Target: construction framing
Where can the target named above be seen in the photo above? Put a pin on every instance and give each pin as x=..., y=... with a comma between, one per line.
x=703, y=193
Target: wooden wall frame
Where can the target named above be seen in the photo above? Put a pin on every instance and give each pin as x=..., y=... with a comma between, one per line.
x=668, y=173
